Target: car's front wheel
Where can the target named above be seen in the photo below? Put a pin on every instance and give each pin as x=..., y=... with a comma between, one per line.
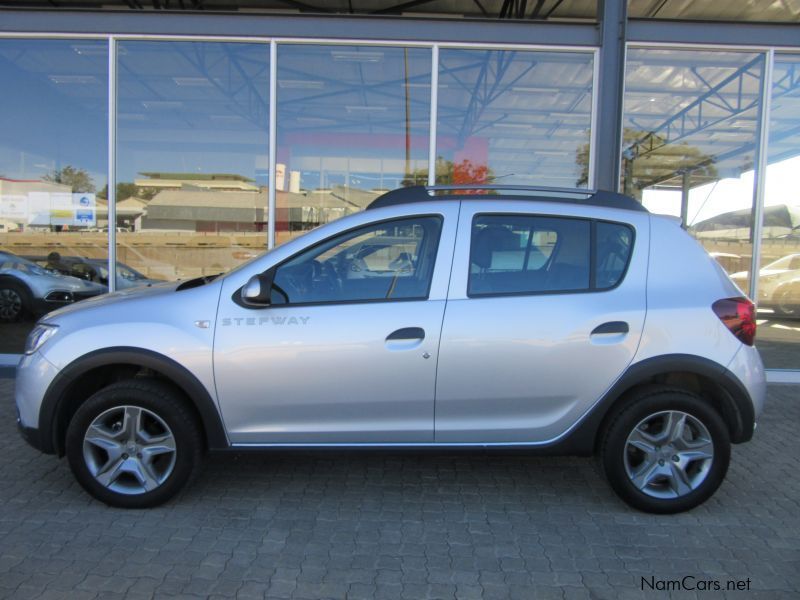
x=14, y=303
x=665, y=450
x=134, y=444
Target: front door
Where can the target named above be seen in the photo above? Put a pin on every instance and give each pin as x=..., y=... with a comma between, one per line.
x=346, y=350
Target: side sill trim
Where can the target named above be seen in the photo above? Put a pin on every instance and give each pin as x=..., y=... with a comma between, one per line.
x=426, y=445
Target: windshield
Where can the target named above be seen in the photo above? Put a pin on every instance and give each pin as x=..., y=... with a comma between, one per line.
x=123, y=270
x=11, y=261
x=791, y=261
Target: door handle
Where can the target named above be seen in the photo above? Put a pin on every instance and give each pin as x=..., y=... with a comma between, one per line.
x=611, y=327
x=407, y=333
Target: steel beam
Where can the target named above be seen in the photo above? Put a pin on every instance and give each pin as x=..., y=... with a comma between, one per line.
x=712, y=33
x=692, y=119
x=612, y=14
x=334, y=27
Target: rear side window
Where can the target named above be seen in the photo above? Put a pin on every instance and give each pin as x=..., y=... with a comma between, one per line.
x=523, y=254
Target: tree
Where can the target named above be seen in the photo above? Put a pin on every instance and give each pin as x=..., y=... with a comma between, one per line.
x=664, y=162
x=449, y=173
x=77, y=179
x=124, y=190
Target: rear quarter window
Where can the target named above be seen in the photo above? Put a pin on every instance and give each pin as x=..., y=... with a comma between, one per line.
x=614, y=243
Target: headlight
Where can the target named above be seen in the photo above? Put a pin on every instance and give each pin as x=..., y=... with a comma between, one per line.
x=40, y=334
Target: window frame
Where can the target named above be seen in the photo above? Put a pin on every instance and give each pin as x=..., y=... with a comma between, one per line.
x=592, y=289
x=435, y=252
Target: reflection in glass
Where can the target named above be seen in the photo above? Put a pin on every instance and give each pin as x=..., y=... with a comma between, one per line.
x=353, y=122
x=386, y=261
x=690, y=132
x=514, y=117
x=192, y=164
x=779, y=277
x=713, y=10
x=53, y=149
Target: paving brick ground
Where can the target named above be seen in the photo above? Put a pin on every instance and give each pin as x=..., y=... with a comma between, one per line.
x=389, y=525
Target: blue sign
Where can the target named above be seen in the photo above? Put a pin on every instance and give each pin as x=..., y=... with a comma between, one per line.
x=84, y=217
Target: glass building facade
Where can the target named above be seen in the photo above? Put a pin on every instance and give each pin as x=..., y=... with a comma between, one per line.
x=174, y=155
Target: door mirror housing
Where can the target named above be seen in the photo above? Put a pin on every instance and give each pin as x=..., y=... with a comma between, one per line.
x=258, y=289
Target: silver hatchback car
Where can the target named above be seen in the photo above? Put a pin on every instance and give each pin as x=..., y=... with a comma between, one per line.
x=561, y=321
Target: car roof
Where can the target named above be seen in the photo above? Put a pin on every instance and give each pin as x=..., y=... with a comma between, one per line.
x=420, y=193
x=44, y=256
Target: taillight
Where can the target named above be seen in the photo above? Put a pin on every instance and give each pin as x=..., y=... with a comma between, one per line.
x=739, y=316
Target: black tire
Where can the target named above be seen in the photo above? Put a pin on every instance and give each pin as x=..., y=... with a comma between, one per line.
x=164, y=412
x=15, y=301
x=786, y=302
x=649, y=408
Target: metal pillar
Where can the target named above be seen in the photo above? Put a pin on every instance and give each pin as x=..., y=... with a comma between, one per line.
x=612, y=15
x=111, y=196
x=434, y=115
x=761, y=172
x=686, y=181
x=273, y=144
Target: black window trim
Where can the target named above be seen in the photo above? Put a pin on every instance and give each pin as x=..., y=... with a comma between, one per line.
x=237, y=295
x=592, y=289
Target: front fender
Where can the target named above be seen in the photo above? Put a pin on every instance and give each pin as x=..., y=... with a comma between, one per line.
x=196, y=392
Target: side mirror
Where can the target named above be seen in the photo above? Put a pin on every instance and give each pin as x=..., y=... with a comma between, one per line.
x=258, y=289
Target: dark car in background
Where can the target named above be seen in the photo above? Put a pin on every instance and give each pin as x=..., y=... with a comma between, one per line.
x=28, y=289
x=92, y=269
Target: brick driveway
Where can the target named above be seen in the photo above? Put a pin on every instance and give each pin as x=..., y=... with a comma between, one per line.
x=388, y=525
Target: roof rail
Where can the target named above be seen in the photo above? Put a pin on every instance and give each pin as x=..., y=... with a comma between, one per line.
x=516, y=188
x=421, y=193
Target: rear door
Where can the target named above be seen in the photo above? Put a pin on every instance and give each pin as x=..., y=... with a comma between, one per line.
x=545, y=310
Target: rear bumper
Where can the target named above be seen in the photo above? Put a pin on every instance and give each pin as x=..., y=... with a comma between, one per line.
x=748, y=368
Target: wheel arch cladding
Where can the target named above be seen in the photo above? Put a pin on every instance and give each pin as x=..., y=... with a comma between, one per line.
x=83, y=377
x=710, y=381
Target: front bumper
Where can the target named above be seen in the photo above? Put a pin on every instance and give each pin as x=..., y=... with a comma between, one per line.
x=31, y=435
x=33, y=377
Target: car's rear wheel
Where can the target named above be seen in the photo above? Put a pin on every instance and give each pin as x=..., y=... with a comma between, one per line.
x=787, y=301
x=134, y=444
x=665, y=450
x=14, y=303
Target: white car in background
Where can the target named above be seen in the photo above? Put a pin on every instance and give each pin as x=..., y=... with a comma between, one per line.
x=778, y=285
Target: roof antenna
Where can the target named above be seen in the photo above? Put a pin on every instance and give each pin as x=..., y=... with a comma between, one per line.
x=496, y=177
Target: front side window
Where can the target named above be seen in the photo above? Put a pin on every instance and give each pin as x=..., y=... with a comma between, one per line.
x=392, y=260
x=522, y=254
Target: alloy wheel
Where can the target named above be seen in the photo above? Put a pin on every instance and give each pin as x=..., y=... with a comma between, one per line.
x=668, y=454
x=10, y=304
x=129, y=450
